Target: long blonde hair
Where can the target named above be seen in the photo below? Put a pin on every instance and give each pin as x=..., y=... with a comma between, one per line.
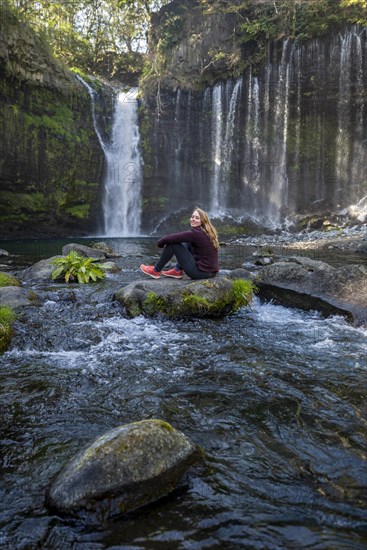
x=208, y=227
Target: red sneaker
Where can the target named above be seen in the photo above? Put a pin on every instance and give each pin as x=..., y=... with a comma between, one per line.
x=173, y=273
x=149, y=270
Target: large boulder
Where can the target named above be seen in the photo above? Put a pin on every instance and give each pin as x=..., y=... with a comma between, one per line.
x=126, y=468
x=309, y=284
x=41, y=270
x=215, y=297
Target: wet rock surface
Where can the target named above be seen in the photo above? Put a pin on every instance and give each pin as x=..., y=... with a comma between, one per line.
x=126, y=468
x=41, y=270
x=310, y=284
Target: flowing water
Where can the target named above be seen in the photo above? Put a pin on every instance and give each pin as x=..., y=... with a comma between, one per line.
x=123, y=172
x=275, y=396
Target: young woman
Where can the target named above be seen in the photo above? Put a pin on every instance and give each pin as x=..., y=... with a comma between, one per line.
x=196, y=251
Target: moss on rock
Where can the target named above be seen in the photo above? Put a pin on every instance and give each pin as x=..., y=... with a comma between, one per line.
x=210, y=298
x=8, y=280
x=124, y=469
x=51, y=161
x=7, y=317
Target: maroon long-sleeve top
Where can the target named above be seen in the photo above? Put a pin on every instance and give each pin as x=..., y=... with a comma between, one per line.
x=203, y=250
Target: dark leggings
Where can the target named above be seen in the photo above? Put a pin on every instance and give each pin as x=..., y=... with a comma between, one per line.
x=185, y=259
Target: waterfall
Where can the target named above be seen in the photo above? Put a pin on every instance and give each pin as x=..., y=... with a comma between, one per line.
x=217, y=132
x=359, y=152
x=343, y=149
x=122, y=186
x=278, y=195
x=93, y=96
x=351, y=150
x=229, y=142
x=285, y=140
x=123, y=173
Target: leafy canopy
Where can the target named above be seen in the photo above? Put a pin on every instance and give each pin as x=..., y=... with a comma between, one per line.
x=91, y=34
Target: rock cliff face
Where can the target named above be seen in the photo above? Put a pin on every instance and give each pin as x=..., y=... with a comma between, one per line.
x=193, y=47
x=51, y=161
x=272, y=131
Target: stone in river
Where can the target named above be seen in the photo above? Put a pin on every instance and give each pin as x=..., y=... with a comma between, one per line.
x=126, y=468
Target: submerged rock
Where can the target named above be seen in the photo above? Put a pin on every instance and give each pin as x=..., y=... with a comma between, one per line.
x=214, y=297
x=309, y=284
x=107, y=250
x=126, y=468
x=362, y=247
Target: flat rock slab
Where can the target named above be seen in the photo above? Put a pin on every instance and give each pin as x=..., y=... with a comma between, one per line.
x=17, y=297
x=180, y=298
x=309, y=284
x=128, y=467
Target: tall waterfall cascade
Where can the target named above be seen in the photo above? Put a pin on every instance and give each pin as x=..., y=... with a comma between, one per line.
x=123, y=171
x=286, y=139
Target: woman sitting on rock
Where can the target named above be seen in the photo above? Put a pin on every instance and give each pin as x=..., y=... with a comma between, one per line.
x=196, y=251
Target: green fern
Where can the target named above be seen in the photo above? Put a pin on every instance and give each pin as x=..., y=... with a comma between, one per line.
x=76, y=268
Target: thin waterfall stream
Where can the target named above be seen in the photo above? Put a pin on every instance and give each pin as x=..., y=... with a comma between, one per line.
x=123, y=172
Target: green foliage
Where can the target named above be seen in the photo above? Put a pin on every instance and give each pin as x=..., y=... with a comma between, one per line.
x=59, y=123
x=197, y=304
x=100, y=37
x=80, y=211
x=171, y=28
x=242, y=291
x=8, y=280
x=299, y=20
x=145, y=128
x=153, y=304
x=7, y=317
x=357, y=10
x=76, y=268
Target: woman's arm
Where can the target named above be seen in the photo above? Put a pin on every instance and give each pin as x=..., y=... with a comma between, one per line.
x=174, y=238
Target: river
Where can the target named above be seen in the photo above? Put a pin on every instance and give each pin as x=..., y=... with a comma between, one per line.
x=275, y=396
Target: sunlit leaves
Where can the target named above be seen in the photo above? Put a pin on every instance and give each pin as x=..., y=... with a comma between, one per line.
x=76, y=268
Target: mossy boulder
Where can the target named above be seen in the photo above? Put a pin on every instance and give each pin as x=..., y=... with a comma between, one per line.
x=126, y=468
x=214, y=297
